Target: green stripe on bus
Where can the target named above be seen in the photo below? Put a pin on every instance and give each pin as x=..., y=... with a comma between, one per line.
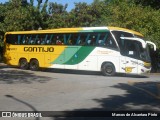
x=70, y=52
x=80, y=55
x=66, y=55
x=73, y=55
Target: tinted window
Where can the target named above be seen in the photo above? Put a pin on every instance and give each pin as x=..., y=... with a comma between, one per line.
x=85, y=38
x=12, y=39
x=110, y=43
x=118, y=34
x=71, y=39
x=131, y=49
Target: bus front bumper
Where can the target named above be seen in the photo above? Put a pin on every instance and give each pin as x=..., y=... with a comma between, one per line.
x=145, y=73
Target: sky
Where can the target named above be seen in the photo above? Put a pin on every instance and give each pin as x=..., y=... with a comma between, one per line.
x=69, y=2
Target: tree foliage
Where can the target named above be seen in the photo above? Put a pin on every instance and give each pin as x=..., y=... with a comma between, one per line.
x=127, y=14
x=57, y=15
x=152, y=3
x=140, y=15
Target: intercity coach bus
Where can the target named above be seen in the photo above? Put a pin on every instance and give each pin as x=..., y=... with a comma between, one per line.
x=107, y=49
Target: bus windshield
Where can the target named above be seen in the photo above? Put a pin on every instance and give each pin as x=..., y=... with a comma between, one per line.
x=134, y=49
x=144, y=54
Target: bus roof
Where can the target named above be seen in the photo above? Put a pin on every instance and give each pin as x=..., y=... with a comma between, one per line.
x=125, y=30
x=76, y=30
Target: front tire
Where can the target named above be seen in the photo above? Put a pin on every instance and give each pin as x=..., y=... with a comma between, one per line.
x=34, y=65
x=108, y=69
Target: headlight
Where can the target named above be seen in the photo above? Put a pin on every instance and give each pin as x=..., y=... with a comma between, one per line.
x=147, y=65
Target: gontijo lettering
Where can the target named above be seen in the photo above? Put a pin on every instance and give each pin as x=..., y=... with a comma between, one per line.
x=39, y=49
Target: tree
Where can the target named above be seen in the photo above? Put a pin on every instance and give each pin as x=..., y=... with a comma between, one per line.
x=25, y=16
x=57, y=15
x=152, y=3
x=21, y=19
x=142, y=16
x=127, y=14
x=84, y=15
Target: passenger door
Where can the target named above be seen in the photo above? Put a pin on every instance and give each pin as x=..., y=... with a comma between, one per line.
x=128, y=61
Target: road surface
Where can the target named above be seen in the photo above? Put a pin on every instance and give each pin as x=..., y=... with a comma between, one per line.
x=66, y=90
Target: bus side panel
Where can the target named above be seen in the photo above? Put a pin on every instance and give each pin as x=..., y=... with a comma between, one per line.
x=89, y=63
x=71, y=55
x=11, y=55
x=13, y=59
x=108, y=55
x=74, y=58
x=40, y=57
x=47, y=59
x=97, y=57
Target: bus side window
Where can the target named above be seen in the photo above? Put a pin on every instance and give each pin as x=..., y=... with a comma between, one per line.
x=47, y=39
x=92, y=40
x=101, y=42
x=87, y=41
x=19, y=39
x=38, y=42
x=110, y=42
x=118, y=34
x=25, y=40
x=69, y=39
x=82, y=39
x=30, y=41
x=8, y=39
x=53, y=39
x=40, y=39
x=76, y=38
x=85, y=37
x=98, y=41
x=102, y=39
x=43, y=39
x=59, y=39
x=15, y=39
x=12, y=39
x=72, y=39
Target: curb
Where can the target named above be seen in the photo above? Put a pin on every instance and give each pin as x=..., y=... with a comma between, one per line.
x=154, y=73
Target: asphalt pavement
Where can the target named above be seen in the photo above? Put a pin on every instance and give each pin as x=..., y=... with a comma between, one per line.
x=68, y=90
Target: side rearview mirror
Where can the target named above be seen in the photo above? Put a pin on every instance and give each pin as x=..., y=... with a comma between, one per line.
x=151, y=43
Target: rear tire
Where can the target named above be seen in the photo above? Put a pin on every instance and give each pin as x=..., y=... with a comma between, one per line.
x=23, y=64
x=108, y=69
x=34, y=65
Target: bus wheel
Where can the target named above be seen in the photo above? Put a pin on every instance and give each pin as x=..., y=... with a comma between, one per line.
x=108, y=69
x=34, y=65
x=23, y=64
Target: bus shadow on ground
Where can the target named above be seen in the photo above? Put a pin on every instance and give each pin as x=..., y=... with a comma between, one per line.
x=137, y=98
x=68, y=71
x=79, y=72
x=17, y=76
x=83, y=72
